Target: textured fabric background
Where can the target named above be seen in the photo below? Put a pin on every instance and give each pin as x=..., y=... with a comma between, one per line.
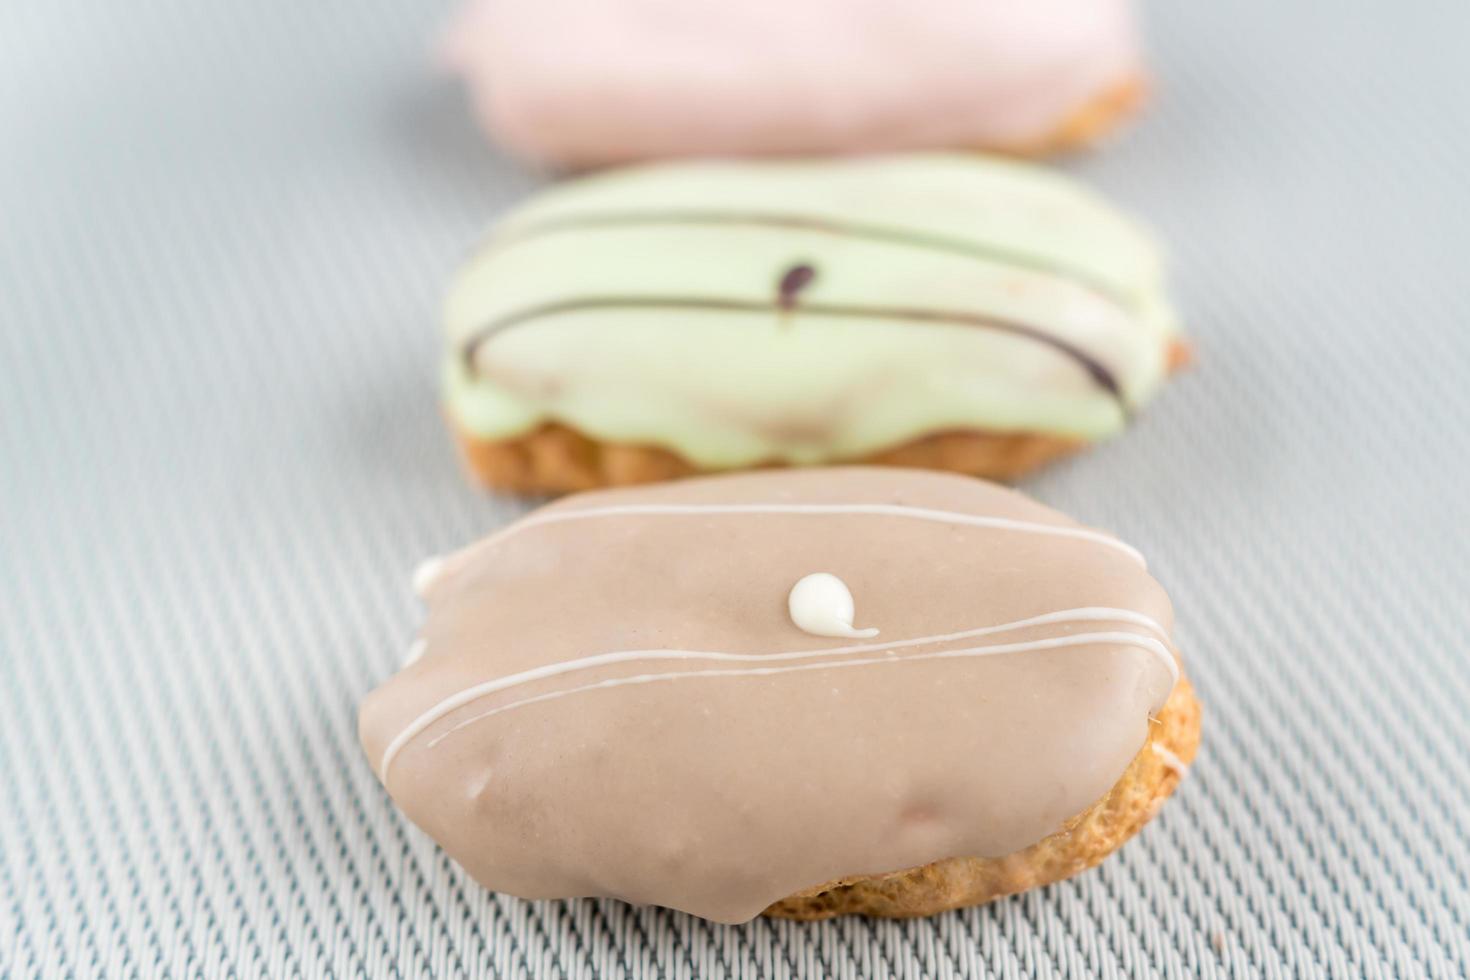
x=224, y=230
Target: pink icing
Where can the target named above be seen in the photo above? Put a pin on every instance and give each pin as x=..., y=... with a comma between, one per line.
x=587, y=82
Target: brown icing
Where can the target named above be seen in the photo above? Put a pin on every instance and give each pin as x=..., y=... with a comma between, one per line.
x=795, y=279
x=718, y=786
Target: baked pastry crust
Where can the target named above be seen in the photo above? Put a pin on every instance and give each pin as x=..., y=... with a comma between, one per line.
x=555, y=459
x=1091, y=123
x=958, y=882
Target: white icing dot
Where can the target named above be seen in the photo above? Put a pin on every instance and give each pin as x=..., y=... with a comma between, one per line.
x=415, y=652
x=821, y=605
x=427, y=574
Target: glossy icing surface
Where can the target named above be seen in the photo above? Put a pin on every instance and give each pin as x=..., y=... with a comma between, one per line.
x=808, y=312
x=614, y=699
x=590, y=82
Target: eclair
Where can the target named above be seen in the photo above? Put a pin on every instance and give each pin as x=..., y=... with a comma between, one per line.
x=953, y=312
x=799, y=692
x=586, y=83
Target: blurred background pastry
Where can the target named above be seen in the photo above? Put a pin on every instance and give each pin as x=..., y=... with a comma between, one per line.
x=957, y=312
x=584, y=83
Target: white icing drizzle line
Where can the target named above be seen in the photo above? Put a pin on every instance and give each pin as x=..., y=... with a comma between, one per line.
x=884, y=510
x=1080, y=639
x=1085, y=614
x=1170, y=760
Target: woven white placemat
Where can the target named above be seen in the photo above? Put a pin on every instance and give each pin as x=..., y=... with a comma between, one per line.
x=224, y=230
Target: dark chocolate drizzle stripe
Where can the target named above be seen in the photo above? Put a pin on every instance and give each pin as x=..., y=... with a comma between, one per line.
x=855, y=229
x=1094, y=368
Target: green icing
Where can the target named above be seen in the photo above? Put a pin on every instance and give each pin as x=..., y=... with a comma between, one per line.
x=730, y=387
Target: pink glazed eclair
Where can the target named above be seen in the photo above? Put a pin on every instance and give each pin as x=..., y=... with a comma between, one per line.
x=586, y=83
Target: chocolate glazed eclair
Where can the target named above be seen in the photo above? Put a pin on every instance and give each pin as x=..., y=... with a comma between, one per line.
x=955, y=312
x=808, y=693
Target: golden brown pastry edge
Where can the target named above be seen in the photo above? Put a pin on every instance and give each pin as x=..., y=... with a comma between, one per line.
x=555, y=459
x=1090, y=837
x=1087, y=125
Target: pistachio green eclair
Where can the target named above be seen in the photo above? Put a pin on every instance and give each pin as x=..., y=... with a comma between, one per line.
x=709, y=316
